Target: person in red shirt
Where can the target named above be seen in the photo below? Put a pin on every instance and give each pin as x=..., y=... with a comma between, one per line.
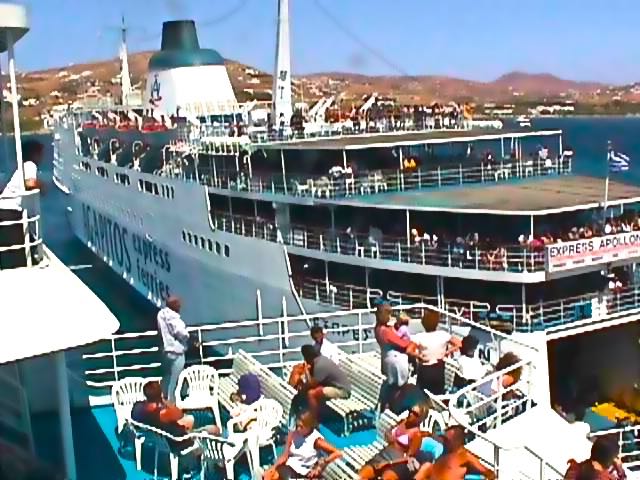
x=395, y=352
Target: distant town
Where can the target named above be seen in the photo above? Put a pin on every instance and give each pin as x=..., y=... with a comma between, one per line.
x=42, y=93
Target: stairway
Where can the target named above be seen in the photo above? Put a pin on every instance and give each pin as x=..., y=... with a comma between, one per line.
x=539, y=433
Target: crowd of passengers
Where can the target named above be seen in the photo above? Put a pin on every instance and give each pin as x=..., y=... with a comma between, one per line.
x=410, y=451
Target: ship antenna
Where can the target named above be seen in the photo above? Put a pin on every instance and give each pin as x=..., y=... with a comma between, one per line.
x=282, y=108
x=125, y=78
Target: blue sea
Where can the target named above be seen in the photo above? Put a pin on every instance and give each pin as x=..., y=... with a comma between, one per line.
x=587, y=136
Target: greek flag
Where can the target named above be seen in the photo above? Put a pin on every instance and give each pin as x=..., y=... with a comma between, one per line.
x=618, y=162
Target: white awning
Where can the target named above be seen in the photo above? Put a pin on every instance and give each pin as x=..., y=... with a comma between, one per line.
x=48, y=309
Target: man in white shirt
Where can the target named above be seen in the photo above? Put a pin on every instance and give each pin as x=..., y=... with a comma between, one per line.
x=11, y=207
x=323, y=347
x=175, y=340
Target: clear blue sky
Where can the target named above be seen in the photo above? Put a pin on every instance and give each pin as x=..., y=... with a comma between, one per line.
x=476, y=39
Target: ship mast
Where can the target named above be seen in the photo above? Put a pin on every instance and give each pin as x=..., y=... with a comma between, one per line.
x=125, y=79
x=282, y=107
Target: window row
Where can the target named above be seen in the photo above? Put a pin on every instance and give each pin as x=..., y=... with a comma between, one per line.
x=161, y=190
x=205, y=243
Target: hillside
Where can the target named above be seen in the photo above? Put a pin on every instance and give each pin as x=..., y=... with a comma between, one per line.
x=42, y=89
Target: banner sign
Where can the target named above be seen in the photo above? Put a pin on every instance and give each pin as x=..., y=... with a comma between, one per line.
x=592, y=251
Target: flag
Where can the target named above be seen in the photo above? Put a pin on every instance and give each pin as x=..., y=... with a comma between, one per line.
x=618, y=162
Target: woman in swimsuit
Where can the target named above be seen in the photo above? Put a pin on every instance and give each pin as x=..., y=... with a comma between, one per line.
x=402, y=457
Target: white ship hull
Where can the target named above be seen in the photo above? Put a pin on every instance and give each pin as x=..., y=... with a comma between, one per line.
x=140, y=236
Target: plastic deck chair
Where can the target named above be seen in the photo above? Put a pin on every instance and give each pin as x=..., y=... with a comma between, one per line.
x=221, y=452
x=203, y=385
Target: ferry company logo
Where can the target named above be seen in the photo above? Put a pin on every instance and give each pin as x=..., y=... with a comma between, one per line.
x=154, y=96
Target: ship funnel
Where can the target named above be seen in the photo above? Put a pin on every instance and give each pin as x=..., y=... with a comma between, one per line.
x=187, y=80
x=179, y=35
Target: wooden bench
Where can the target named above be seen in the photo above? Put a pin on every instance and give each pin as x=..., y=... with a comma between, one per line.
x=358, y=411
x=272, y=386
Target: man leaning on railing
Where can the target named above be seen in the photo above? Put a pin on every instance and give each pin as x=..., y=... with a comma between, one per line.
x=11, y=208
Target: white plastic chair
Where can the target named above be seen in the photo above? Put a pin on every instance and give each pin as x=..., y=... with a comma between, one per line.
x=160, y=439
x=221, y=452
x=268, y=414
x=203, y=385
x=124, y=393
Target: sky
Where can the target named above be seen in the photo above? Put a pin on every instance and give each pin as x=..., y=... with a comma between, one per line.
x=476, y=39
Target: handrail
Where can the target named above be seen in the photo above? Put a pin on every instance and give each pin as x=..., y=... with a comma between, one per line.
x=387, y=248
x=552, y=315
x=366, y=182
x=628, y=448
x=31, y=228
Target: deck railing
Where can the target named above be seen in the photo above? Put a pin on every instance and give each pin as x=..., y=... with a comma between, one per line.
x=628, y=439
x=586, y=308
x=507, y=259
x=15, y=254
x=378, y=181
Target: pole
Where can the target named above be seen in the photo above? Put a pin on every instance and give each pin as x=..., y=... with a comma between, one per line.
x=14, y=107
x=408, y=229
x=284, y=177
x=606, y=187
x=64, y=413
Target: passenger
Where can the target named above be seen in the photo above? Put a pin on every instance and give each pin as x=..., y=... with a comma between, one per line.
x=306, y=453
x=504, y=381
x=601, y=465
x=402, y=326
x=249, y=392
x=323, y=347
x=11, y=208
x=395, y=352
x=402, y=457
x=326, y=380
x=470, y=367
x=436, y=345
x=406, y=397
x=175, y=340
x=456, y=461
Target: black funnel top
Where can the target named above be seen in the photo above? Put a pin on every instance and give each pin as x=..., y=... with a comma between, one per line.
x=180, y=48
x=179, y=35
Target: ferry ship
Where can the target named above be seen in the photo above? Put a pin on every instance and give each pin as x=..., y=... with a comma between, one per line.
x=307, y=221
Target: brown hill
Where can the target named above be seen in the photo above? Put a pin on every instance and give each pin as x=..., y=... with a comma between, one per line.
x=100, y=78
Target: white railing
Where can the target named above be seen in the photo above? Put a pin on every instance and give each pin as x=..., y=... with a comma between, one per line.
x=369, y=182
x=274, y=342
x=583, y=309
x=13, y=255
x=628, y=439
x=515, y=259
x=480, y=409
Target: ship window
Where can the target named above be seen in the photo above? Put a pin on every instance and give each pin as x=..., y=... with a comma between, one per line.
x=173, y=192
x=210, y=245
x=122, y=178
x=86, y=166
x=184, y=236
x=202, y=243
x=140, y=185
x=102, y=172
x=218, y=248
x=226, y=250
x=189, y=237
x=155, y=189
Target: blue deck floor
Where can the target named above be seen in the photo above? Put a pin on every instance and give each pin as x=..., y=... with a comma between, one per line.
x=96, y=447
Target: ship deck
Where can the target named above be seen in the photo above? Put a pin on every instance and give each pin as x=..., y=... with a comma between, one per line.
x=522, y=197
x=391, y=139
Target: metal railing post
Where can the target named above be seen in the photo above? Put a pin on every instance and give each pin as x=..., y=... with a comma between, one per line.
x=360, y=337
x=114, y=359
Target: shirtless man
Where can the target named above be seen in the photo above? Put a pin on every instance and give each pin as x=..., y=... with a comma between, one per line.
x=456, y=462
